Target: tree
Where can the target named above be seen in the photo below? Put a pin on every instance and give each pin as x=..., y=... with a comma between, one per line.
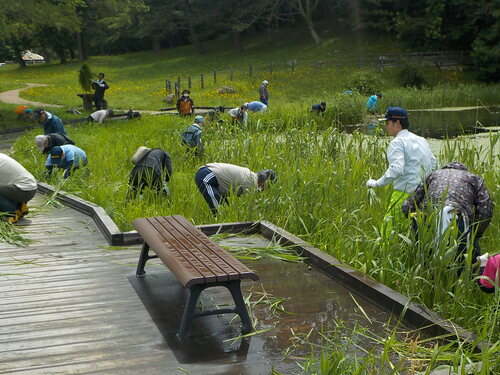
x=21, y=22
x=306, y=9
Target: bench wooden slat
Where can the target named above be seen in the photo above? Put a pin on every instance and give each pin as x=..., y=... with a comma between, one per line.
x=172, y=258
x=186, y=260
x=224, y=259
x=182, y=239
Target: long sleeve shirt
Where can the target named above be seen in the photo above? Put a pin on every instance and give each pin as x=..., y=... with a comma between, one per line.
x=53, y=124
x=230, y=176
x=410, y=161
x=99, y=86
x=371, y=104
x=456, y=187
x=263, y=92
x=73, y=157
x=238, y=114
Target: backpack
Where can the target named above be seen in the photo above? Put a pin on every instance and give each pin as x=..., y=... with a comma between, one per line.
x=190, y=137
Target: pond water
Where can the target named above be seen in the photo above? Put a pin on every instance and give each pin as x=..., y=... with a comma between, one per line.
x=448, y=122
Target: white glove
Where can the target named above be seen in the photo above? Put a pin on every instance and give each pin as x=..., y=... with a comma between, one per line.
x=371, y=183
x=483, y=259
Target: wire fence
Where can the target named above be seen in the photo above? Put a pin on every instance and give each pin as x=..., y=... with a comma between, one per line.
x=441, y=60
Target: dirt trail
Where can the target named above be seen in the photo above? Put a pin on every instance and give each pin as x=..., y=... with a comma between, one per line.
x=12, y=97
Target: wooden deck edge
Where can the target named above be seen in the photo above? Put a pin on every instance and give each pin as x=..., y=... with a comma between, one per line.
x=413, y=314
x=112, y=233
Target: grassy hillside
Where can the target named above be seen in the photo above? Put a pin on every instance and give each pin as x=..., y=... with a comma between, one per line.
x=320, y=193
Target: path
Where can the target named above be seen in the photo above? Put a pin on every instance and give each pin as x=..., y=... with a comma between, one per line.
x=12, y=97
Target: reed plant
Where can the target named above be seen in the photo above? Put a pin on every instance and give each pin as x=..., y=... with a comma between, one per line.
x=320, y=195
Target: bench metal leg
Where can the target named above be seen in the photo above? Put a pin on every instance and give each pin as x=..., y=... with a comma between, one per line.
x=143, y=258
x=189, y=311
x=240, y=307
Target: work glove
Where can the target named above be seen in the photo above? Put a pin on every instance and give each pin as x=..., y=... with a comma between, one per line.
x=483, y=259
x=371, y=183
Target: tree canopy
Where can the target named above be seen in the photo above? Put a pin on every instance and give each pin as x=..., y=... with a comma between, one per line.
x=77, y=28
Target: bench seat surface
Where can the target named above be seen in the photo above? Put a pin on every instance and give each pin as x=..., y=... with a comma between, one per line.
x=191, y=256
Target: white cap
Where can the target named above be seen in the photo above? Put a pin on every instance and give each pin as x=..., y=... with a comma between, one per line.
x=264, y=82
x=40, y=142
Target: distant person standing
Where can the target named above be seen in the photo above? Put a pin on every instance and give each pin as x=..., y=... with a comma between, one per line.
x=191, y=137
x=99, y=87
x=185, y=105
x=17, y=187
x=153, y=168
x=67, y=157
x=371, y=104
x=50, y=122
x=318, y=108
x=257, y=107
x=263, y=92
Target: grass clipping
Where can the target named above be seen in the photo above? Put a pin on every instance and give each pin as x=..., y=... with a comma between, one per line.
x=273, y=251
x=12, y=235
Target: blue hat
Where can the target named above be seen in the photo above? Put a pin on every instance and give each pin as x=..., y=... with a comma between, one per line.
x=395, y=113
x=56, y=153
x=199, y=119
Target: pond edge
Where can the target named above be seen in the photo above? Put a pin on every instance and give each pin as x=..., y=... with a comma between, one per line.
x=411, y=313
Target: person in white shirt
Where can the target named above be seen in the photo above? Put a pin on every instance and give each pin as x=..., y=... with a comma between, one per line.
x=100, y=115
x=216, y=181
x=410, y=161
x=240, y=114
x=17, y=187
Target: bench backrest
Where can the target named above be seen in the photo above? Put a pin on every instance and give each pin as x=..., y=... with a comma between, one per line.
x=191, y=256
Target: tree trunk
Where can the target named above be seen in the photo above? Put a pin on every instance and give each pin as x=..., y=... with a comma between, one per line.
x=71, y=53
x=192, y=29
x=79, y=43
x=156, y=44
x=237, y=45
x=19, y=58
x=314, y=34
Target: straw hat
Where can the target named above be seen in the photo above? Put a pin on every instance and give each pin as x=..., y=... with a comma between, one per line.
x=139, y=154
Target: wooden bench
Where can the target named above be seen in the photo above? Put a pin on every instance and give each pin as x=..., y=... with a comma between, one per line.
x=197, y=263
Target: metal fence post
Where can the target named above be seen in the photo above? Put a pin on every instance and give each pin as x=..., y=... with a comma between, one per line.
x=231, y=75
x=250, y=70
x=215, y=77
x=189, y=82
x=167, y=85
x=202, y=82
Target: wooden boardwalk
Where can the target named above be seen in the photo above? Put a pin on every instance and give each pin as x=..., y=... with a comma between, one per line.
x=71, y=304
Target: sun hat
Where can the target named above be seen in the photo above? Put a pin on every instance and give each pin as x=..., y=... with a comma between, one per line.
x=139, y=154
x=40, y=142
x=395, y=113
x=264, y=82
x=199, y=119
x=56, y=153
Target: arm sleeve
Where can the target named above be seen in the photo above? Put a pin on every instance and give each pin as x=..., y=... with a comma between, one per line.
x=396, y=158
x=192, y=105
x=167, y=165
x=483, y=209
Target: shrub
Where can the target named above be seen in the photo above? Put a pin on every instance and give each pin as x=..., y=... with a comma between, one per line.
x=365, y=85
x=411, y=76
x=85, y=78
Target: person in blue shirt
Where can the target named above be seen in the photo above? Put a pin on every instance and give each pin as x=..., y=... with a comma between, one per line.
x=318, y=108
x=67, y=157
x=191, y=137
x=257, y=107
x=371, y=104
x=50, y=122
